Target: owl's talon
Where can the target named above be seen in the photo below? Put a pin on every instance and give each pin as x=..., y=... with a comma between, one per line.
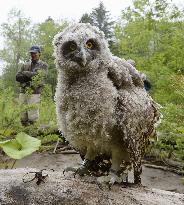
x=84, y=169
x=81, y=171
x=112, y=178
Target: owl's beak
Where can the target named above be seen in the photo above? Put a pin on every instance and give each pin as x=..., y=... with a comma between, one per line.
x=84, y=61
x=81, y=58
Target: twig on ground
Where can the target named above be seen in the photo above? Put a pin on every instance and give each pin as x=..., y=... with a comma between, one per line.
x=179, y=172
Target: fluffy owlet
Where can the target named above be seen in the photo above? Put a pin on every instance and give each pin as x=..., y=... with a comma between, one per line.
x=102, y=106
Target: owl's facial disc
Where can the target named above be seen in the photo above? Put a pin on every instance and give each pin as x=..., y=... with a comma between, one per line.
x=82, y=54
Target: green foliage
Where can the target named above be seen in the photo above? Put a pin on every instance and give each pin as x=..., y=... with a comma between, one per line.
x=47, y=108
x=11, y=110
x=180, y=147
x=169, y=146
x=36, y=81
x=18, y=37
x=21, y=146
x=86, y=18
x=9, y=117
x=46, y=139
x=100, y=17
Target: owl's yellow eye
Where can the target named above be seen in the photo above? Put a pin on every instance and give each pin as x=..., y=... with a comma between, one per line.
x=89, y=45
x=73, y=46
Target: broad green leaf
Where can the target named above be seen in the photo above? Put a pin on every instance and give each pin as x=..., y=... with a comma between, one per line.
x=4, y=142
x=20, y=147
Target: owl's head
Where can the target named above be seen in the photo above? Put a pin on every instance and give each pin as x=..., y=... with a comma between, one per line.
x=79, y=47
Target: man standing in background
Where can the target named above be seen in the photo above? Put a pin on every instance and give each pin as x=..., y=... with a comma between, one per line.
x=32, y=79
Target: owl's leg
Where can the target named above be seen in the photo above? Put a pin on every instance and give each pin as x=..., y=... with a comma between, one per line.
x=137, y=172
x=88, y=162
x=84, y=169
x=116, y=174
x=86, y=166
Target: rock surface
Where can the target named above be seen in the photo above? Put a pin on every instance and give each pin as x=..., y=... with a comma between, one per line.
x=67, y=190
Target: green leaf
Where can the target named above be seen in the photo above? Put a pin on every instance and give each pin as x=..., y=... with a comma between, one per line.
x=4, y=142
x=20, y=147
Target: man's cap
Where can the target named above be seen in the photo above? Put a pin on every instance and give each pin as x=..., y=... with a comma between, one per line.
x=35, y=49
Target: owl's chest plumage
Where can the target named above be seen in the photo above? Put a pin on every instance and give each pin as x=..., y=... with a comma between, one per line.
x=90, y=113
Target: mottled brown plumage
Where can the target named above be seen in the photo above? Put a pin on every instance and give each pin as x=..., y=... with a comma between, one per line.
x=102, y=106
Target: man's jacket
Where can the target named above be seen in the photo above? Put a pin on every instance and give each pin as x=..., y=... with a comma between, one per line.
x=30, y=73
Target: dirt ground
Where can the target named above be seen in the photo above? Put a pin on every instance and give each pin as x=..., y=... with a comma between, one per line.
x=152, y=178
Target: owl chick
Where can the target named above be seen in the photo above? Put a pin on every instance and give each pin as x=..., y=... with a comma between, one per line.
x=101, y=104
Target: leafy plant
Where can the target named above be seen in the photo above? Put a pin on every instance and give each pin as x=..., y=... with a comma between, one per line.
x=21, y=146
x=10, y=117
x=180, y=147
x=47, y=108
x=49, y=138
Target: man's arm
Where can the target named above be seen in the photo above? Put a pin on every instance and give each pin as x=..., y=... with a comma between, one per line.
x=29, y=74
x=24, y=76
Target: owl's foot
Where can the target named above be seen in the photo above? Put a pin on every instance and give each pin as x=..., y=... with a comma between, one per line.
x=112, y=178
x=84, y=169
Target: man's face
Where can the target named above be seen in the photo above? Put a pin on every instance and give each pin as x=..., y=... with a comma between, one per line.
x=35, y=56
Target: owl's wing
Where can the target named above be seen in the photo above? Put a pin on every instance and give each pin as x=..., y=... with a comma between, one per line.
x=137, y=116
x=123, y=73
